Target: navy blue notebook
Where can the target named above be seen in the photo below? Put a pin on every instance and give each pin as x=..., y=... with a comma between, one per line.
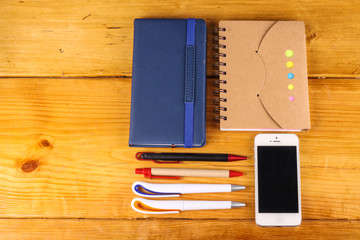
x=168, y=95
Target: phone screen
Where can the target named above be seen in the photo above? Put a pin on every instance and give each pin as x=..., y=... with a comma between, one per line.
x=277, y=179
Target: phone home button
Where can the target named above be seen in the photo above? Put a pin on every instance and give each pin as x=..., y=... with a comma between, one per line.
x=279, y=219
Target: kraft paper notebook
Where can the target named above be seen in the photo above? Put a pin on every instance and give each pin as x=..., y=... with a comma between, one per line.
x=168, y=83
x=263, y=81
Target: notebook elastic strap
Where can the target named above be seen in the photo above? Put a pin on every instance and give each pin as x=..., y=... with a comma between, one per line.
x=189, y=83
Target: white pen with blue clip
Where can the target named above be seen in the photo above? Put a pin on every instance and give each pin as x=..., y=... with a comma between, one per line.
x=174, y=190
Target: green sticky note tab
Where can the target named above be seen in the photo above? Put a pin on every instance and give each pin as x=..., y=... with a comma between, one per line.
x=289, y=53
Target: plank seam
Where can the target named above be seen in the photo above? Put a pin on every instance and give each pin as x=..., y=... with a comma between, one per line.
x=115, y=77
x=164, y=219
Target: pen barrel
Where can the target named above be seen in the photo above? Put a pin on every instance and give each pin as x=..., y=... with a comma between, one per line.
x=206, y=188
x=189, y=172
x=186, y=157
x=186, y=187
x=186, y=205
x=206, y=205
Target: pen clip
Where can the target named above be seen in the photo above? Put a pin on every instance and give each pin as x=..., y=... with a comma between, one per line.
x=138, y=156
x=147, y=174
x=144, y=206
x=140, y=190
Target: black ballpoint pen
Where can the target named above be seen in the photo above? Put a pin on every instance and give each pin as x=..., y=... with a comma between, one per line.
x=178, y=157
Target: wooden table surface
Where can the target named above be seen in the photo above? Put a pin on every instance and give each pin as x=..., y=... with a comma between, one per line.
x=66, y=169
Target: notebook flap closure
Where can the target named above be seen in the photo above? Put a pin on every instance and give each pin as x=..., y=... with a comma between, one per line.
x=245, y=74
x=284, y=94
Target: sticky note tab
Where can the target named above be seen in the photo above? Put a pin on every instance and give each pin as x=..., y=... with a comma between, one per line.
x=290, y=75
x=289, y=64
x=289, y=53
x=290, y=87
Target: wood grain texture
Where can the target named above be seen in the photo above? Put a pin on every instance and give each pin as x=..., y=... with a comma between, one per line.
x=67, y=155
x=66, y=169
x=172, y=229
x=94, y=38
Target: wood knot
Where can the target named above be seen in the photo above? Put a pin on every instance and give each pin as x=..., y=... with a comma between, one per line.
x=30, y=166
x=44, y=143
x=311, y=37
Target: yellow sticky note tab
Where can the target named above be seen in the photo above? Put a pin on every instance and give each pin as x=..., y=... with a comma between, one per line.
x=289, y=64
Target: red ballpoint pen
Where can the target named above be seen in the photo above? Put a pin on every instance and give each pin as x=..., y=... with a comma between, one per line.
x=175, y=173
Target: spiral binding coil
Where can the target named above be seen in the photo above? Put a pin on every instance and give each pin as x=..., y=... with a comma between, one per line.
x=217, y=54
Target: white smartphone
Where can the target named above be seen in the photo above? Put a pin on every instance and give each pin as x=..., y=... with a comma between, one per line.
x=277, y=180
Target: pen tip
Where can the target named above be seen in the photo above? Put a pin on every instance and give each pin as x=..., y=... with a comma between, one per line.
x=232, y=157
x=237, y=204
x=235, y=173
x=237, y=187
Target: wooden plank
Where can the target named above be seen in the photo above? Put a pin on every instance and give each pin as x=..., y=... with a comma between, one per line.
x=172, y=229
x=65, y=152
x=94, y=38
